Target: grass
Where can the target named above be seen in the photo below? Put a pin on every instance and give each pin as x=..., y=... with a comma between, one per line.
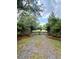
x=56, y=44
x=24, y=41
x=37, y=56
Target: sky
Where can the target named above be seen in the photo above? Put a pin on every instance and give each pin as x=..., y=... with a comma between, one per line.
x=48, y=7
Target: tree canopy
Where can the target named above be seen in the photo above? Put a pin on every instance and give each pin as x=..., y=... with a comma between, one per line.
x=55, y=25
x=29, y=5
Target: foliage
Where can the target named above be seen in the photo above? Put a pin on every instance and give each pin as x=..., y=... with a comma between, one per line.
x=55, y=25
x=28, y=10
x=24, y=24
x=30, y=6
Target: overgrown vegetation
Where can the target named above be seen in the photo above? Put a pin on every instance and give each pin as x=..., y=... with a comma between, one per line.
x=54, y=26
x=28, y=11
x=24, y=24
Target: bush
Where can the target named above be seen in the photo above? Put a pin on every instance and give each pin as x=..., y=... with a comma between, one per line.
x=22, y=29
x=55, y=26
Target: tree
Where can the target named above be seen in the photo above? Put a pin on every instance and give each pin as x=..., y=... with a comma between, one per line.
x=29, y=5
x=28, y=11
x=25, y=22
x=55, y=25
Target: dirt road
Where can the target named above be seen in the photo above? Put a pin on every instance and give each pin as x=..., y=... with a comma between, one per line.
x=37, y=48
